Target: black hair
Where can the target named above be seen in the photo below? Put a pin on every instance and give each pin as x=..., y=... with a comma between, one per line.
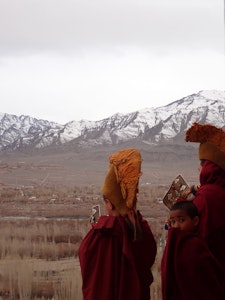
x=188, y=206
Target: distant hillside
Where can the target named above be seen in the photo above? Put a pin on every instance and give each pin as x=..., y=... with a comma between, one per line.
x=150, y=126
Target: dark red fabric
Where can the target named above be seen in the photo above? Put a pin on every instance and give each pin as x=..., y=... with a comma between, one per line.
x=210, y=201
x=188, y=270
x=114, y=267
x=144, y=252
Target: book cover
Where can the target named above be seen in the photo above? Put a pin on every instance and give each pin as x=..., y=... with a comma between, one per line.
x=178, y=188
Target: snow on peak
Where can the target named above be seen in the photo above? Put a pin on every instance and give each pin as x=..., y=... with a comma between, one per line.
x=213, y=95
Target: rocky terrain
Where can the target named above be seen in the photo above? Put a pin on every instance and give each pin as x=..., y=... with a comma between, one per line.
x=46, y=197
x=63, y=166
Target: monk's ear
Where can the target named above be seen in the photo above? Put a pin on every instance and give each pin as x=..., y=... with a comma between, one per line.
x=109, y=204
x=196, y=220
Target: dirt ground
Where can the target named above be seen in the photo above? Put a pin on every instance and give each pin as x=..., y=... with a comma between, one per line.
x=45, y=205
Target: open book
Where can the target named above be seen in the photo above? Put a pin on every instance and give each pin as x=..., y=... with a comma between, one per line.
x=178, y=188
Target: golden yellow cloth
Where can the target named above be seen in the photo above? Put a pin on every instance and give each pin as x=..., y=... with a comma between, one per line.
x=212, y=142
x=122, y=179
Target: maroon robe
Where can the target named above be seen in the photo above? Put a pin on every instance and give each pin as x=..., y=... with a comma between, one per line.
x=210, y=201
x=114, y=267
x=189, y=271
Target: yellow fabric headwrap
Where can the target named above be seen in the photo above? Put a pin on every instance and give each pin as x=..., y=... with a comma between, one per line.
x=212, y=142
x=122, y=179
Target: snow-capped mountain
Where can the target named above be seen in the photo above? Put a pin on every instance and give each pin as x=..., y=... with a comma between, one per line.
x=165, y=124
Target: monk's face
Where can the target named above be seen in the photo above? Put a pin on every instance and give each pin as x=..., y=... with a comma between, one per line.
x=180, y=219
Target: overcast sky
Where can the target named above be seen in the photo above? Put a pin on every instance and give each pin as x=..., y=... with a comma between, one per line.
x=64, y=60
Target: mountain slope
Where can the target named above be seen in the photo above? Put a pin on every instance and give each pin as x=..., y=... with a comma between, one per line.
x=165, y=124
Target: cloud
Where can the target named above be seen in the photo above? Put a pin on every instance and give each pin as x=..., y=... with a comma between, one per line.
x=56, y=25
x=87, y=59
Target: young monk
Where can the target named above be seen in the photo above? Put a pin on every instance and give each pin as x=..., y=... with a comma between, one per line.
x=184, y=215
x=117, y=254
x=189, y=271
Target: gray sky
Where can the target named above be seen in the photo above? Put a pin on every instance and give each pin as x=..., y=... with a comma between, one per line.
x=64, y=60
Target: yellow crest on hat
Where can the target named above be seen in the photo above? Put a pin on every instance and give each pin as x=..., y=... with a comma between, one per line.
x=212, y=142
x=122, y=179
x=202, y=133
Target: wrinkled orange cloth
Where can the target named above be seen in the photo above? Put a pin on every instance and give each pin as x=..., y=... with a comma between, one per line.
x=122, y=179
x=206, y=133
x=212, y=142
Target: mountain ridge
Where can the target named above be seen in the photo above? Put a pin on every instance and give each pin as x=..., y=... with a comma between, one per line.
x=150, y=126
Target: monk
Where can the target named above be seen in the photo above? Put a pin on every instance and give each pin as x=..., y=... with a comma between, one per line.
x=118, y=252
x=189, y=270
x=210, y=196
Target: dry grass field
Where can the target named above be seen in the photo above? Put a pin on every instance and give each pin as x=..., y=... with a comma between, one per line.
x=45, y=206
x=40, y=236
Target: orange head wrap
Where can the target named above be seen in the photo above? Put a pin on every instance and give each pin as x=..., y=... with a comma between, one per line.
x=122, y=179
x=212, y=142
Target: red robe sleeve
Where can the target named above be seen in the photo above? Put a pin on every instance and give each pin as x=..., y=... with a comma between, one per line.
x=108, y=265
x=144, y=251
x=189, y=270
